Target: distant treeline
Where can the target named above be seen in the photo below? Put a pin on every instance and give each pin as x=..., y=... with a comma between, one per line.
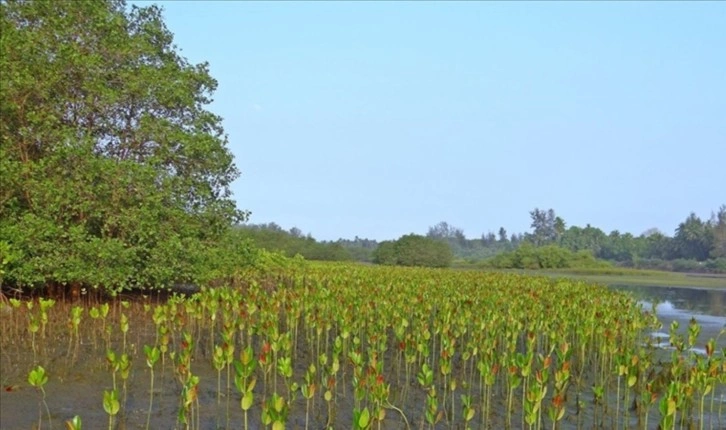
x=697, y=245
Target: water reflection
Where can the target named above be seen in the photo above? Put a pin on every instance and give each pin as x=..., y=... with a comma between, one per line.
x=690, y=300
x=707, y=307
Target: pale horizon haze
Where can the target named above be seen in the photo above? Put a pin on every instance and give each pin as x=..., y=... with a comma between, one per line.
x=378, y=119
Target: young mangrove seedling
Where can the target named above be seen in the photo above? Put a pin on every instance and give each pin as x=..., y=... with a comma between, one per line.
x=38, y=378
x=74, y=423
x=152, y=356
x=111, y=405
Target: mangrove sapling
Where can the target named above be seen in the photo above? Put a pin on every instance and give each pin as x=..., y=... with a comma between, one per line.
x=467, y=410
x=622, y=370
x=513, y=381
x=211, y=305
x=399, y=333
x=410, y=358
x=631, y=380
x=712, y=372
x=106, y=329
x=667, y=408
x=275, y=412
x=703, y=386
x=467, y=378
x=74, y=323
x=308, y=389
x=642, y=393
x=152, y=356
x=579, y=371
x=447, y=350
x=95, y=314
x=38, y=378
x=331, y=391
x=487, y=377
x=648, y=398
x=433, y=416
x=452, y=388
x=189, y=411
x=228, y=355
x=378, y=390
x=189, y=382
x=191, y=308
x=598, y=394
x=74, y=423
x=425, y=378
x=328, y=397
x=45, y=305
x=218, y=362
x=111, y=405
x=562, y=379
x=535, y=396
x=524, y=363
x=114, y=364
x=265, y=363
x=33, y=327
x=274, y=337
x=284, y=367
x=356, y=359
x=124, y=325
x=161, y=321
x=244, y=379
x=124, y=366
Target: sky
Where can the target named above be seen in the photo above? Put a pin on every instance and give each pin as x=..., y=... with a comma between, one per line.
x=379, y=119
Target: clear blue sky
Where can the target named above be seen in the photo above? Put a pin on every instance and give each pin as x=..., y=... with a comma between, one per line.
x=382, y=119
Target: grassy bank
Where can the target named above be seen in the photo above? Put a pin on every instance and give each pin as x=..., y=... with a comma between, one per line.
x=625, y=276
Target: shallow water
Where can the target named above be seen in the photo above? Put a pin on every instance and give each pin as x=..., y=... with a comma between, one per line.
x=706, y=306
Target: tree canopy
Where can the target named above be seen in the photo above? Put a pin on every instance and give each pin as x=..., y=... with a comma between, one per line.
x=413, y=250
x=290, y=243
x=113, y=172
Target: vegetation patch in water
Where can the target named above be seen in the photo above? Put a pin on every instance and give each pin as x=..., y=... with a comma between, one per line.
x=348, y=346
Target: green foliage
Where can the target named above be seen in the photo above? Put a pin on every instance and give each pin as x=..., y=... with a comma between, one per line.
x=482, y=348
x=718, y=233
x=471, y=249
x=694, y=238
x=718, y=265
x=413, y=250
x=693, y=248
x=546, y=257
x=546, y=227
x=7, y=256
x=273, y=238
x=114, y=174
x=359, y=249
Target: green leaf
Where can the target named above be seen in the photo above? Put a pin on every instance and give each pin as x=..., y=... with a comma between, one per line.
x=110, y=402
x=247, y=400
x=37, y=377
x=363, y=419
